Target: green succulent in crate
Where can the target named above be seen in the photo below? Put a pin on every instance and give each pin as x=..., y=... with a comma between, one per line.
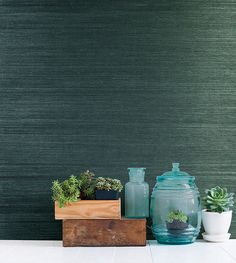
x=74, y=188
x=108, y=188
x=66, y=191
x=87, y=185
x=108, y=184
x=218, y=200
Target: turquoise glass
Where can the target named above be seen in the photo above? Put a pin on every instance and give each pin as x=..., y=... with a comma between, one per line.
x=175, y=208
x=136, y=194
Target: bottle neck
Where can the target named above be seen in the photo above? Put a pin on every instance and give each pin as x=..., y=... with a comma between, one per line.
x=136, y=175
x=175, y=167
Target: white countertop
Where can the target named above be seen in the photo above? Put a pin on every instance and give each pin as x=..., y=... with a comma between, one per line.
x=52, y=251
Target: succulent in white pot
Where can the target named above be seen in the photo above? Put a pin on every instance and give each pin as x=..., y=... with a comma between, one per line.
x=217, y=215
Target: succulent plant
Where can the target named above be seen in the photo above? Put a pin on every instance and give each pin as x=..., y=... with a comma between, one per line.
x=87, y=185
x=82, y=187
x=74, y=188
x=108, y=184
x=66, y=191
x=218, y=199
x=177, y=215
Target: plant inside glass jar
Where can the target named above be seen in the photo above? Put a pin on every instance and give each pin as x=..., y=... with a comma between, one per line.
x=176, y=222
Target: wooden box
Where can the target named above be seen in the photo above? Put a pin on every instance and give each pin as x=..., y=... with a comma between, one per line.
x=108, y=232
x=89, y=209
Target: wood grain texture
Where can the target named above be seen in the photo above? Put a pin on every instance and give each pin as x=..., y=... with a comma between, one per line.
x=108, y=232
x=106, y=85
x=89, y=209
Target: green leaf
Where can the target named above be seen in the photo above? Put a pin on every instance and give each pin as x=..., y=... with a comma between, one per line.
x=217, y=199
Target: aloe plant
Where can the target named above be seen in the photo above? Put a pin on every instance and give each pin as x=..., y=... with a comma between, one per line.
x=218, y=200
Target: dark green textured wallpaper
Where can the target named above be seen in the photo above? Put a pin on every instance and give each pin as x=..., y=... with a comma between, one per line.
x=106, y=85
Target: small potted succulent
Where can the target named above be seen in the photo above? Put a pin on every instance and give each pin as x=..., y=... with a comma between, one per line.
x=176, y=222
x=217, y=215
x=108, y=188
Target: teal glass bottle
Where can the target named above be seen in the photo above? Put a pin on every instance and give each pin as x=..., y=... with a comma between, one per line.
x=175, y=208
x=136, y=194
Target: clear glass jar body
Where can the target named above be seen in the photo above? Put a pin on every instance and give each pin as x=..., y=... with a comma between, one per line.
x=175, y=208
x=136, y=194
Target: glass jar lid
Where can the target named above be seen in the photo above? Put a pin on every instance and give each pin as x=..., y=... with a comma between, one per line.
x=175, y=175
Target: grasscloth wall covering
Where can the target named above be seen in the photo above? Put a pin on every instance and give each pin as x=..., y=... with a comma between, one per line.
x=106, y=85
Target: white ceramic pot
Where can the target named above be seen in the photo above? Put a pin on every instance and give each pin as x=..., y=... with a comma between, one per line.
x=216, y=225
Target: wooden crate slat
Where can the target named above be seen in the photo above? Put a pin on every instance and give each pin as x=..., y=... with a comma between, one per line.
x=107, y=232
x=89, y=209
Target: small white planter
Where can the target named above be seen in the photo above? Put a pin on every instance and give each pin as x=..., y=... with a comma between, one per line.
x=216, y=225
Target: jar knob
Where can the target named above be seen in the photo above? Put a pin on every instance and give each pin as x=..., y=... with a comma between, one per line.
x=175, y=167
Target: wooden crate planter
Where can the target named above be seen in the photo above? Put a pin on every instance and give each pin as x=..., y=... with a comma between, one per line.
x=108, y=232
x=89, y=209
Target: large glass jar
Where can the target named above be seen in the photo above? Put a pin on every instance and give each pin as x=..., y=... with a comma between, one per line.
x=175, y=208
x=136, y=194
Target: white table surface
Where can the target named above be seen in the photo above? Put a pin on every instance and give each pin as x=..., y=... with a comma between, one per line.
x=52, y=251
